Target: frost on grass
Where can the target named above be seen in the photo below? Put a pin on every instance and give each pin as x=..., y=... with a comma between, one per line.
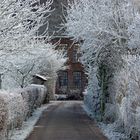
x=28, y=125
x=111, y=132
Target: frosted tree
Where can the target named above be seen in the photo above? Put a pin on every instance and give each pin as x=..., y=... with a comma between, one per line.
x=102, y=25
x=125, y=88
x=20, y=21
x=24, y=50
x=19, y=68
x=109, y=30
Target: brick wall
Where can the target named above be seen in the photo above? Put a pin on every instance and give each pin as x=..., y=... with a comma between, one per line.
x=71, y=89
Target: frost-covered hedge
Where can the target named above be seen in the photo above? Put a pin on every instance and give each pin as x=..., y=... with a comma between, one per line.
x=12, y=111
x=18, y=105
x=127, y=96
x=92, y=93
x=34, y=96
x=122, y=103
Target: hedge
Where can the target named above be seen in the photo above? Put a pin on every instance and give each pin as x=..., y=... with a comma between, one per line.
x=17, y=106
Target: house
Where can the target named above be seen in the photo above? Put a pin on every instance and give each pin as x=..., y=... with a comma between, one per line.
x=72, y=80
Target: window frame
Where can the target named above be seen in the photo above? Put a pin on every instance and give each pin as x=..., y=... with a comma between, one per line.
x=77, y=79
x=75, y=53
x=64, y=48
x=63, y=79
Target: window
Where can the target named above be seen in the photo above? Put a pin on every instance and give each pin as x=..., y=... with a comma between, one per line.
x=63, y=79
x=75, y=54
x=77, y=79
x=64, y=48
x=74, y=57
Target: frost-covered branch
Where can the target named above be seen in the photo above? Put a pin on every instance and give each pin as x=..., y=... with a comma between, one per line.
x=109, y=30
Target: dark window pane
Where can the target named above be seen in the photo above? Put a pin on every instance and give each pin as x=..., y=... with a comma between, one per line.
x=74, y=57
x=64, y=48
x=76, y=53
x=63, y=79
x=77, y=79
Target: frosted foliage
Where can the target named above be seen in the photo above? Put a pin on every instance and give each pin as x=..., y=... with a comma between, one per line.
x=24, y=51
x=92, y=94
x=14, y=109
x=126, y=95
x=17, y=106
x=134, y=33
x=20, y=21
x=3, y=118
x=34, y=96
x=99, y=27
x=103, y=26
x=18, y=68
x=138, y=118
x=99, y=24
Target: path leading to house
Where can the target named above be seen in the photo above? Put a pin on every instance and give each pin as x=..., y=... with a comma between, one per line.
x=66, y=121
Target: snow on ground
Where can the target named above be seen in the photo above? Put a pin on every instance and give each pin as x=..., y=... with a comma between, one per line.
x=60, y=96
x=21, y=134
x=69, y=103
x=107, y=129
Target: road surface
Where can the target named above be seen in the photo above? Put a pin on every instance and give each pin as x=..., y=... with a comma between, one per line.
x=66, y=121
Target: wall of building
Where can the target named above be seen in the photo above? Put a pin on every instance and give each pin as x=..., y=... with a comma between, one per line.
x=55, y=21
x=71, y=89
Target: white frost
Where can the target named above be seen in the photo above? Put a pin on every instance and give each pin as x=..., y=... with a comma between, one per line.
x=21, y=134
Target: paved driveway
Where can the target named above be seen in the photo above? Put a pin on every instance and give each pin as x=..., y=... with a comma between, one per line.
x=66, y=121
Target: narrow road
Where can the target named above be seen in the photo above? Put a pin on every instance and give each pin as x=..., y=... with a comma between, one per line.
x=66, y=121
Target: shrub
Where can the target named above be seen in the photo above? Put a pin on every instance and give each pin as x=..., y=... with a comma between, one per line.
x=18, y=105
x=12, y=111
x=34, y=96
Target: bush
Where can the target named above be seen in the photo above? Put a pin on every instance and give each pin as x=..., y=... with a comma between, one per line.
x=17, y=106
x=125, y=95
x=3, y=117
x=34, y=96
x=12, y=111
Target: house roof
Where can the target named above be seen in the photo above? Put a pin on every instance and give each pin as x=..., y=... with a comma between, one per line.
x=44, y=78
